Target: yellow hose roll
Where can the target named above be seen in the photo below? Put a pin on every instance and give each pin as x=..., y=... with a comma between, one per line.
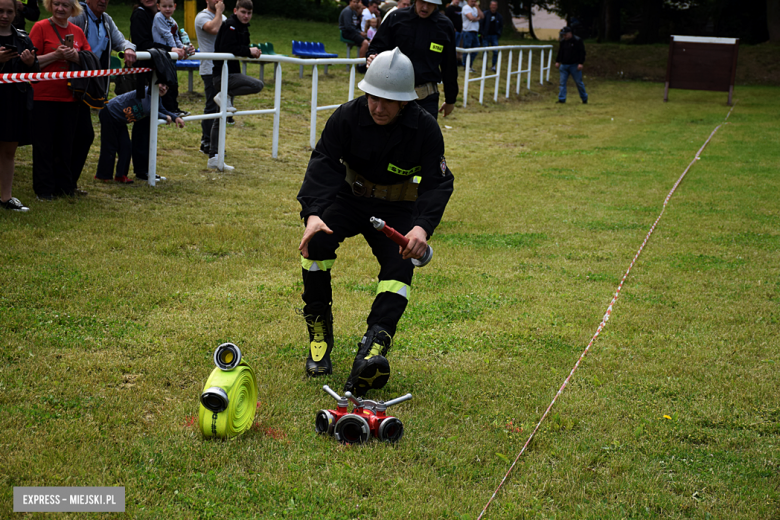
x=240, y=386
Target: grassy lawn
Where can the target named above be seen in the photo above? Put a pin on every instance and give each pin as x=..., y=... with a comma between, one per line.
x=112, y=305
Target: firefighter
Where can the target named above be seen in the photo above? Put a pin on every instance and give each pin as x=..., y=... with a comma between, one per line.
x=427, y=37
x=379, y=155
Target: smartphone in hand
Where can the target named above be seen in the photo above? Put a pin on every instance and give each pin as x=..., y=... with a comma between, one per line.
x=69, y=40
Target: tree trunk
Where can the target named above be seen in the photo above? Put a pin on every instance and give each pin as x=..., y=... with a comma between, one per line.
x=531, y=21
x=506, y=14
x=650, y=26
x=773, y=20
x=609, y=26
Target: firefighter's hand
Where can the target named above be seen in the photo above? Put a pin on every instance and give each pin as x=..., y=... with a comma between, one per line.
x=314, y=225
x=446, y=109
x=418, y=244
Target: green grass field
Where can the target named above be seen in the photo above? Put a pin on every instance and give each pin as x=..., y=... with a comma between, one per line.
x=111, y=306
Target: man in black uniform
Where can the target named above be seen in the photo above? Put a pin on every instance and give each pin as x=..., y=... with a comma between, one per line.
x=427, y=37
x=381, y=156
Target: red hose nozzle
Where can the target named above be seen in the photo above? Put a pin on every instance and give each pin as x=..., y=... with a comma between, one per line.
x=401, y=240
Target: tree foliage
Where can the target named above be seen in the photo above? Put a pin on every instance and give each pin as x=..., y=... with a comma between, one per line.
x=652, y=21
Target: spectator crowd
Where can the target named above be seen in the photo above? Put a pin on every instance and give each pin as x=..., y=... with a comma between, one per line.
x=81, y=35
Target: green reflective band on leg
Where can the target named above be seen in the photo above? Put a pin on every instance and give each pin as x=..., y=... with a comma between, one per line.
x=317, y=265
x=394, y=286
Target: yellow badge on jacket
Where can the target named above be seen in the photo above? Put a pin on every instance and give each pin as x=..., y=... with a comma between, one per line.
x=435, y=47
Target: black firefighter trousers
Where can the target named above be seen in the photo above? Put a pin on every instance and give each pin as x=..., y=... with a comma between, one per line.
x=347, y=217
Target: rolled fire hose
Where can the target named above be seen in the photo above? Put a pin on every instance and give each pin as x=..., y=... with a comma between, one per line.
x=229, y=398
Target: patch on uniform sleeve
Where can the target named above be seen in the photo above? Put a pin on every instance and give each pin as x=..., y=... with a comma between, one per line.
x=443, y=166
x=231, y=28
x=435, y=47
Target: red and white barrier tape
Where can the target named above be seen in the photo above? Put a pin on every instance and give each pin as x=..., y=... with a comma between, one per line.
x=604, y=319
x=24, y=77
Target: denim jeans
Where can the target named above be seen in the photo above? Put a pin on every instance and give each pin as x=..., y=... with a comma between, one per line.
x=576, y=75
x=491, y=40
x=470, y=40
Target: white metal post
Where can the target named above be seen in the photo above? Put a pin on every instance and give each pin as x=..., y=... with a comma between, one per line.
x=541, y=68
x=351, y=82
x=466, y=83
x=154, y=92
x=519, y=72
x=482, y=83
x=508, y=72
x=549, y=64
x=277, y=107
x=313, y=124
x=223, y=98
x=528, y=84
x=498, y=75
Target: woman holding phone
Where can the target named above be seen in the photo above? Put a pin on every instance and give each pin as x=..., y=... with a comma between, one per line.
x=16, y=55
x=58, y=42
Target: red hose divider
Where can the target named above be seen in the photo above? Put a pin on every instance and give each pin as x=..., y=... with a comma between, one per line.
x=603, y=320
x=24, y=77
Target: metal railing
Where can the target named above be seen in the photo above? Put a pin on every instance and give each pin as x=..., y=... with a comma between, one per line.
x=223, y=114
x=497, y=75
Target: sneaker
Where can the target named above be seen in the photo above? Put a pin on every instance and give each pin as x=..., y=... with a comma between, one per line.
x=182, y=113
x=14, y=205
x=205, y=148
x=319, y=322
x=493, y=68
x=103, y=180
x=214, y=165
x=124, y=179
x=584, y=101
x=145, y=177
x=78, y=192
x=230, y=121
x=370, y=368
x=561, y=101
x=218, y=101
x=472, y=71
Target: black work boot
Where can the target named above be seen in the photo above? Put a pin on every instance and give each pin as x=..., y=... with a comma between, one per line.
x=319, y=321
x=371, y=368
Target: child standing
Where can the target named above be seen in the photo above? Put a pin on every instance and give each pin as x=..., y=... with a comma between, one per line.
x=372, y=25
x=114, y=139
x=165, y=30
x=233, y=37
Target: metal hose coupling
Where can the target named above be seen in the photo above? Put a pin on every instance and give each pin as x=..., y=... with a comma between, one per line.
x=367, y=419
x=229, y=399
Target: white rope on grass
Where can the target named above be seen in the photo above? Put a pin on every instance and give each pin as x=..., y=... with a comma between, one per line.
x=605, y=318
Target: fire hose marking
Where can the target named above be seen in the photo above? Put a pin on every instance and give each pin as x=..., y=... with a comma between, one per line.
x=606, y=315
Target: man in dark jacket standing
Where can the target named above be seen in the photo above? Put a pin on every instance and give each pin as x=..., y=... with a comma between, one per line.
x=426, y=37
x=233, y=38
x=491, y=27
x=571, y=56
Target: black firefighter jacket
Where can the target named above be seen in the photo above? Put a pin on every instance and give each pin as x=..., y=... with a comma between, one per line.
x=383, y=154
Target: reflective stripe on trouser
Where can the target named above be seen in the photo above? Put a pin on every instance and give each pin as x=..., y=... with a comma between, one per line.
x=317, y=265
x=350, y=217
x=394, y=286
